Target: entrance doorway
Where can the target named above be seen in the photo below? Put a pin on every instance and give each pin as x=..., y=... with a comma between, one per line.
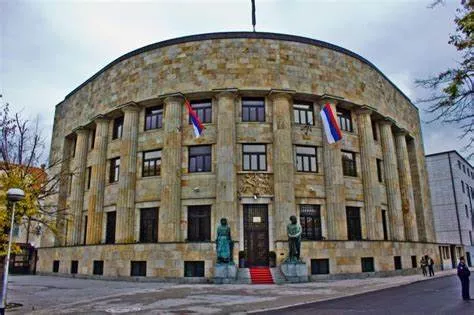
x=256, y=234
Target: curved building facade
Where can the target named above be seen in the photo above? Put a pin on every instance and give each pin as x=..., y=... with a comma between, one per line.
x=143, y=195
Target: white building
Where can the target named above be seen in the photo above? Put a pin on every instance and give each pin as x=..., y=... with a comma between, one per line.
x=451, y=180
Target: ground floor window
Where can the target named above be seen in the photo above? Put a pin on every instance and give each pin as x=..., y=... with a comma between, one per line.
x=74, y=266
x=354, y=231
x=319, y=266
x=56, y=266
x=310, y=220
x=367, y=264
x=98, y=267
x=194, y=268
x=397, y=261
x=199, y=223
x=138, y=268
x=414, y=262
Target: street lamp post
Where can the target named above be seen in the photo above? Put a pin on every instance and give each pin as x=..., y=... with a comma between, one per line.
x=13, y=195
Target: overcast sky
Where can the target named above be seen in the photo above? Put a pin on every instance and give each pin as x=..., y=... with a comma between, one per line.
x=48, y=48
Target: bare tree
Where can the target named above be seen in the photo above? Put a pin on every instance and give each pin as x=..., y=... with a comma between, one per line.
x=452, y=100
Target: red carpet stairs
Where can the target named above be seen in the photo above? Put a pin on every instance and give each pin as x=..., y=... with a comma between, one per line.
x=261, y=275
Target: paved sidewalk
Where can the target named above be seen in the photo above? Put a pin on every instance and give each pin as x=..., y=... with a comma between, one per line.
x=57, y=295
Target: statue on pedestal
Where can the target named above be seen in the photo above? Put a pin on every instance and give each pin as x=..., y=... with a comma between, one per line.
x=224, y=244
x=294, y=240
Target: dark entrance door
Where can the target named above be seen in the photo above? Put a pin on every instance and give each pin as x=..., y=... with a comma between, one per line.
x=256, y=234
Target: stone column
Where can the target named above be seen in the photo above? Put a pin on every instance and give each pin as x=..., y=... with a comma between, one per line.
x=226, y=174
x=61, y=219
x=77, y=189
x=170, y=210
x=334, y=185
x=283, y=165
x=127, y=176
x=96, y=193
x=406, y=187
x=391, y=181
x=369, y=175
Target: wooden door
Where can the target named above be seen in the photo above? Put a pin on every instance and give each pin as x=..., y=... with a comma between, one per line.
x=256, y=234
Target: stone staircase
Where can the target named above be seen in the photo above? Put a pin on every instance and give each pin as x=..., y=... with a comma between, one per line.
x=278, y=276
x=261, y=275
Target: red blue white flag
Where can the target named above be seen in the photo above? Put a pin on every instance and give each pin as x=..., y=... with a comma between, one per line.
x=195, y=121
x=331, y=128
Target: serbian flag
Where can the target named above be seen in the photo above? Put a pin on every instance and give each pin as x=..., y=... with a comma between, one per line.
x=331, y=128
x=197, y=125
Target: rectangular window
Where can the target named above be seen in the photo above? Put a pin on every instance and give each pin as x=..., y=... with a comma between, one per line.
x=384, y=224
x=470, y=238
x=303, y=113
x=118, y=128
x=319, y=266
x=85, y=230
x=462, y=185
x=253, y=109
x=414, y=262
x=74, y=144
x=397, y=261
x=138, y=268
x=204, y=110
x=200, y=158
x=349, y=167
x=353, y=223
x=149, y=225
x=255, y=157
x=367, y=264
x=194, y=268
x=379, y=170
x=345, y=120
x=374, y=130
x=199, y=223
x=151, y=165
x=306, y=159
x=154, y=118
x=459, y=164
x=98, y=267
x=310, y=219
x=114, y=172
x=89, y=177
x=467, y=211
x=92, y=139
x=55, y=265
x=74, y=266
x=110, y=228
x=464, y=168
x=16, y=230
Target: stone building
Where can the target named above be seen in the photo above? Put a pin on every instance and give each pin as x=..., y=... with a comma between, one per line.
x=145, y=196
x=451, y=180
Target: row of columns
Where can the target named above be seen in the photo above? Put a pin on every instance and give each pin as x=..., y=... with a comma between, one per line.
x=397, y=173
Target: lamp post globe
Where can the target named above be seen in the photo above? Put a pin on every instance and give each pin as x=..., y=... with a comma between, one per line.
x=13, y=195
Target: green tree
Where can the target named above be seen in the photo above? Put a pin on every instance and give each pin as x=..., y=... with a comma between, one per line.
x=452, y=100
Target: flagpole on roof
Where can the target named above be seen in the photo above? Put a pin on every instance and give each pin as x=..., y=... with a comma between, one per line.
x=254, y=20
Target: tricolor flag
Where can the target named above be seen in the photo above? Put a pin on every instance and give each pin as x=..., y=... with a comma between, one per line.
x=197, y=125
x=331, y=128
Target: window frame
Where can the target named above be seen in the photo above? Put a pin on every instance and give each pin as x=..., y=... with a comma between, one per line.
x=114, y=170
x=367, y=262
x=348, y=170
x=354, y=226
x=260, y=115
x=203, y=111
x=149, y=225
x=196, y=157
x=151, y=116
x=156, y=170
x=379, y=170
x=306, y=156
x=311, y=229
x=250, y=154
x=194, y=268
x=344, y=117
x=316, y=265
x=199, y=223
x=299, y=112
x=89, y=177
x=117, y=129
x=138, y=268
x=110, y=229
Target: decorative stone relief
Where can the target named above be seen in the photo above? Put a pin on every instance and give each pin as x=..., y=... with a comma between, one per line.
x=255, y=184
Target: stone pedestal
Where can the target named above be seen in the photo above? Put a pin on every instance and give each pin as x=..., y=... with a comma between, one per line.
x=295, y=272
x=225, y=273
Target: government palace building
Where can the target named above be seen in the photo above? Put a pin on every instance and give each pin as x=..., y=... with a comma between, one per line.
x=142, y=196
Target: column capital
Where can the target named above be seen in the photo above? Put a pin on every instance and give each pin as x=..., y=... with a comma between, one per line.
x=333, y=99
x=173, y=97
x=100, y=119
x=81, y=130
x=364, y=110
x=387, y=121
x=130, y=107
x=401, y=132
x=274, y=93
x=230, y=92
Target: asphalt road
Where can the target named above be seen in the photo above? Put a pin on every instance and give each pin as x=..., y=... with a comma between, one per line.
x=436, y=296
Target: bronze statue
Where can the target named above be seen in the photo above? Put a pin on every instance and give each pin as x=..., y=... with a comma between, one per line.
x=224, y=244
x=294, y=239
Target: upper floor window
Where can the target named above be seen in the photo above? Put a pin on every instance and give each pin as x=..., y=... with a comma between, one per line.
x=200, y=158
x=349, y=167
x=255, y=157
x=467, y=211
x=379, y=170
x=303, y=113
x=199, y=223
x=464, y=168
x=374, y=130
x=253, y=109
x=92, y=139
x=114, y=172
x=306, y=160
x=74, y=144
x=345, y=119
x=151, y=163
x=462, y=185
x=203, y=109
x=89, y=177
x=118, y=128
x=459, y=164
x=310, y=219
x=154, y=118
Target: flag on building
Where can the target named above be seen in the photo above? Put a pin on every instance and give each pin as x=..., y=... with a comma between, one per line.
x=331, y=128
x=195, y=121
